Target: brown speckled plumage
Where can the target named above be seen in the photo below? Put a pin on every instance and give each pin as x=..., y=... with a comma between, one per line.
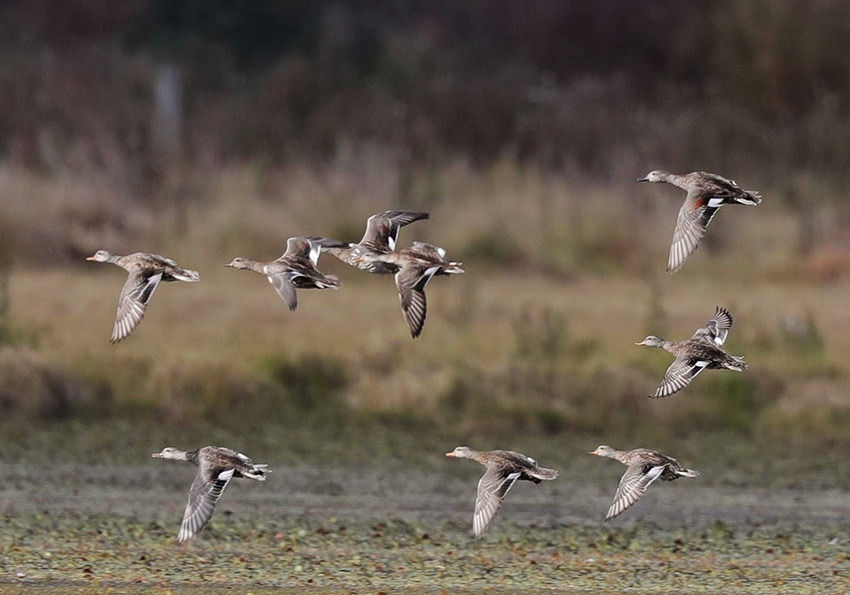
x=380, y=239
x=706, y=193
x=504, y=468
x=703, y=350
x=295, y=268
x=217, y=465
x=417, y=265
x=643, y=467
x=145, y=272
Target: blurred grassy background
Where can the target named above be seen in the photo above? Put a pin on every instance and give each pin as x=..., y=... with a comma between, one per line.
x=521, y=129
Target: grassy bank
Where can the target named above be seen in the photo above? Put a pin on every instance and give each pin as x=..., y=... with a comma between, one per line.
x=499, y=353
x=537, y=337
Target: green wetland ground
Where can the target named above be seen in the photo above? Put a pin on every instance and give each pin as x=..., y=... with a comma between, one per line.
x=379, y=515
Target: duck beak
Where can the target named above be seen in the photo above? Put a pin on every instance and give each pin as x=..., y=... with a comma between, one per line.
x=89, y=257
x=641, y=343
x=592, y=452
x=157, y=455
x=451, y=454
x=643, y=180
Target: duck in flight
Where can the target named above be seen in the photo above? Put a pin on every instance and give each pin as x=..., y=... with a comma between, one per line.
x=418, y=264
x=643, y=467
x=295, y=268
x=692, y=356
x=706, y=193
x=380, y=239
x=504, y=468
x=413, y=266
x=217, y=465
x=145, y=272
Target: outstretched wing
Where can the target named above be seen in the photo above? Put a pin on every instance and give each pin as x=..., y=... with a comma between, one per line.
x=694, y=216
x=492, y=488
x=308, y=248
x=411, y=281
x=132, y=302
x=203, y=496
x=284, y=288
x=299, y=247
x=679, y=375
x=632, y=486
x=716, y=329
x=382, y=229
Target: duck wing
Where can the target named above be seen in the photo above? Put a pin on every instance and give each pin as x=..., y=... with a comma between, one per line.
x=679, y=375
x=719, y=186
x=530, y=468
x=299, y=247
x=382, y=229
x=220, y=457
x=158, y=260
x=133, y=301
x=203, y=496
x=514, y=458
x=716, y=329
x=411, y=281
x=696, y=213
x=284, y=287
x=308, y=248
x=633, y=484
x=729, y=191
x=492, y=488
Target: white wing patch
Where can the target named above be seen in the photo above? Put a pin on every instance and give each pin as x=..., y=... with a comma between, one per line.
x=226, y=475
x=653, y=474
x=315, y=251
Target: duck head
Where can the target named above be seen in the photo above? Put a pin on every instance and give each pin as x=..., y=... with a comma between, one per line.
x=461, y=452
x=656, y=176
x=239, y=263
x=603, y=450
x=169, y=452
x=652, y=341
x=100, y=256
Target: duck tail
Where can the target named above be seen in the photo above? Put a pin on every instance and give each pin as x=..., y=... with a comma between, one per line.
x=329, y=282
x=258, y=472
x=749, y=197
x=543, y=473
x=186, y=275
x=452, y=268
x=688, y=473
x=737, y=363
